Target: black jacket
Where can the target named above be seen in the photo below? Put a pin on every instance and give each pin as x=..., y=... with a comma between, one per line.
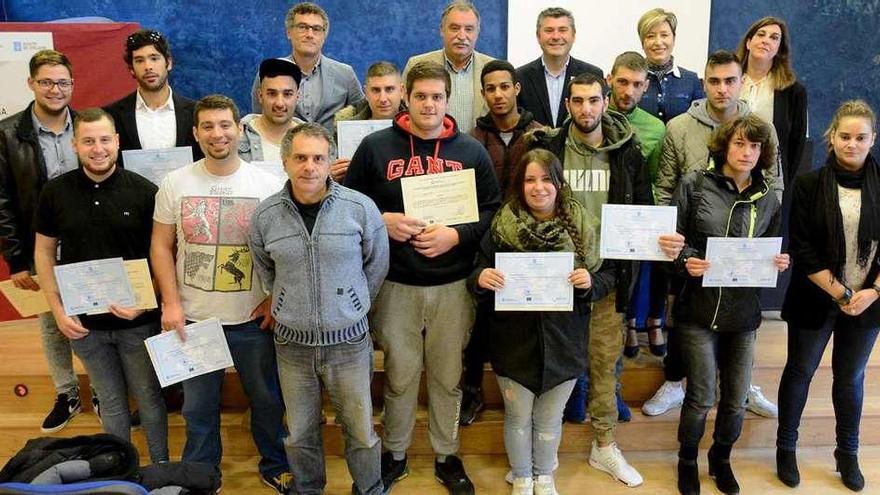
x=22, y=176
x=533, y=95
x=629, y=184
x=806, y=305
x=39, y=454
x=709, y=205
x=790, y=121
x=123, y=112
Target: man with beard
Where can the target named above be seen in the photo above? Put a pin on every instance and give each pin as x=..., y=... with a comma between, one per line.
x=204, y=210
x=102, y=201
x=263, y=132
x=153, y=116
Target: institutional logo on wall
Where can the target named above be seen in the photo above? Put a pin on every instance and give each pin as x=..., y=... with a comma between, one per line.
x=216, y=255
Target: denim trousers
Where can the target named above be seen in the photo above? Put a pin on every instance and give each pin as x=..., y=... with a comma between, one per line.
x=117, y=362
x=57, y=347
x=849, y=357
x=532, y=426
x=344, y=371
x=253, y=354
x=706, y=354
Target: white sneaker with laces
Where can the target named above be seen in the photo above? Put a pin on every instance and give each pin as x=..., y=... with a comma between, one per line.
x=544, y=485
x=760, y=405
x=611, y=460
x=669, y=396
x=522, y=486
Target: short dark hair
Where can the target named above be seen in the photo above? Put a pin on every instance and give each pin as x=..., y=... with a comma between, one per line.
x=381, y=69
x=48, y=57
x=588, y=79
x=555, y=13
x=89, y=115
x=630, y=60
x=498, y=65
x=216, y=102
x=723, y=57
x=428, y=70
x=304, y=8
x=146, y=37
x=753, y=128
x=310, y=129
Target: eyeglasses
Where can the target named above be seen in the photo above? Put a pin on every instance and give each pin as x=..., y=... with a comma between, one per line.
x=303, y=28
x=48, y=84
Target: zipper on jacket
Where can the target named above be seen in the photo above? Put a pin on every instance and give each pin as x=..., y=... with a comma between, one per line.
x=314, y=268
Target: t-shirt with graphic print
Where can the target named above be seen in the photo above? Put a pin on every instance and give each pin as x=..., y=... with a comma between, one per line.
x=215, y=274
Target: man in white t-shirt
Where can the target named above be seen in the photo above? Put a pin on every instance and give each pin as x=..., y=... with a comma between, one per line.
x=205, y=209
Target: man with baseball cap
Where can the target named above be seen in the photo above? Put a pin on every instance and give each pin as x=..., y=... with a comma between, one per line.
x=278, y=94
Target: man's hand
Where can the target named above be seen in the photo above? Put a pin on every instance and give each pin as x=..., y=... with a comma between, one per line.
x=339, y=168
x=435, y=240
x=696, y=267
x=173, y=319
x=23, y=280
x=71, y=327
x=580, y=279
x=264, y=310
x=671, y=244
x=125, y=313
x=402, y=228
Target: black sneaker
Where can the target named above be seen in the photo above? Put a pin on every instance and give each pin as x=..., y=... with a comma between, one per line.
x=280, y=482
x=471, y=404
x=66, y=407
x=393, y=471
x=451, y=474
x=96, y=406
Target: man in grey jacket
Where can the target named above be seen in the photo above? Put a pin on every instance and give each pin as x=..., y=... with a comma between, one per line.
x=321, y=329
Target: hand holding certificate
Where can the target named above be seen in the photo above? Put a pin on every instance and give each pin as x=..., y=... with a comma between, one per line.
x=535, y=281
x=205, y=350
x=447, y=199
x=631, y=232
x=94, y=285
x=742, y=262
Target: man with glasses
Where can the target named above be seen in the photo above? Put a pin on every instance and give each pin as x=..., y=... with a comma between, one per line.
x=327, y=86
x=35, y=146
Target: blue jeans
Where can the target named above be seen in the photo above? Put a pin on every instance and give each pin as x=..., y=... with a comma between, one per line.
x=850, y=354
x=532, y=426
x=706, y=354
x=253, y=355
x=344, y=370
x=114, y=359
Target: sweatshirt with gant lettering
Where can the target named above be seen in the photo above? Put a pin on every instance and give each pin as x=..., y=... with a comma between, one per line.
x=387, y=156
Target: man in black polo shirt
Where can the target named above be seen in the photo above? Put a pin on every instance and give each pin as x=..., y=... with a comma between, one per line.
x=102, y=211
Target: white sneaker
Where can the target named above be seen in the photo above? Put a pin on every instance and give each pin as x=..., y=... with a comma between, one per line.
x=610, y=460
x=760, y=405
x=522, y=486
x=669, y=396
x=544, y=485
x=508, y=478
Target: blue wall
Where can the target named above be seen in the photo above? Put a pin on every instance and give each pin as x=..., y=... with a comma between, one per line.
x=218, y=44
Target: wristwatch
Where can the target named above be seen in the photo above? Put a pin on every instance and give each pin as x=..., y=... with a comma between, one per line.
x=844, y=299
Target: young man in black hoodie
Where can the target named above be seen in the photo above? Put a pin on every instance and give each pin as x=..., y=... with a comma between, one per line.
x=423, y=308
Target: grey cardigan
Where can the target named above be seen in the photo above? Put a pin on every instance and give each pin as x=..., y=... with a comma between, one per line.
x=322, y=283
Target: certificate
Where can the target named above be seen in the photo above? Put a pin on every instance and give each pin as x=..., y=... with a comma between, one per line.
x=535, y=282
x=272, y=167
x=350, y=133
x=93, y=285
x=741, y=262
x=26, y=302
x=449, y=198
x=155, y=164
x=630, y=232
x=138, y=272
x=204, y=351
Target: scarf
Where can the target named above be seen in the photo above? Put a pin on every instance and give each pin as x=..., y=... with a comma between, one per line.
x=661, y=70
x=827, y=211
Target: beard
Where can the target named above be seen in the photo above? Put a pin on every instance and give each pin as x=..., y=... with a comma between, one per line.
x=586, y=129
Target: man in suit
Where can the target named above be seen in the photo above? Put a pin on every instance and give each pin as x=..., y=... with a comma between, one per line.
x=545, y=80
x=459, y=29
x=327, y=85
x=153, y=116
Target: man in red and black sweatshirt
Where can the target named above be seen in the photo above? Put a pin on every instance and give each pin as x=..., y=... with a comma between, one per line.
x=423, y=308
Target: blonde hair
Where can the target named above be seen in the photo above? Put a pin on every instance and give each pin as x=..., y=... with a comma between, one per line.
x=654, y=18
x=850, y=108
x=781, y=72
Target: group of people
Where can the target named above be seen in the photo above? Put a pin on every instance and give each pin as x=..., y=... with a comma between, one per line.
x=307, y=275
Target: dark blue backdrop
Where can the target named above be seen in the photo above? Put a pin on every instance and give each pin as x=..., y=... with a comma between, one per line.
x=218, y=44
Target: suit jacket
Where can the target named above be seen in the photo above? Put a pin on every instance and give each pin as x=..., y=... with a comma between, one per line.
x=339, y=88
x=480, y=60
x=534, y=97
x=123, y=112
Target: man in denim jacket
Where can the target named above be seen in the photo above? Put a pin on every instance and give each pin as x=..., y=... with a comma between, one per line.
x=323, y=250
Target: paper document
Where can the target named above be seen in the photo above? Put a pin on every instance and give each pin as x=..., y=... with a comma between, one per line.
x=631, y=232
x=26, y=302
x=350, y=133
x=741, y=262
x=274, y=168
x=449, y=198
x=204, y=351
x=155, y=164
x=535, y=281
x=90, y=286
